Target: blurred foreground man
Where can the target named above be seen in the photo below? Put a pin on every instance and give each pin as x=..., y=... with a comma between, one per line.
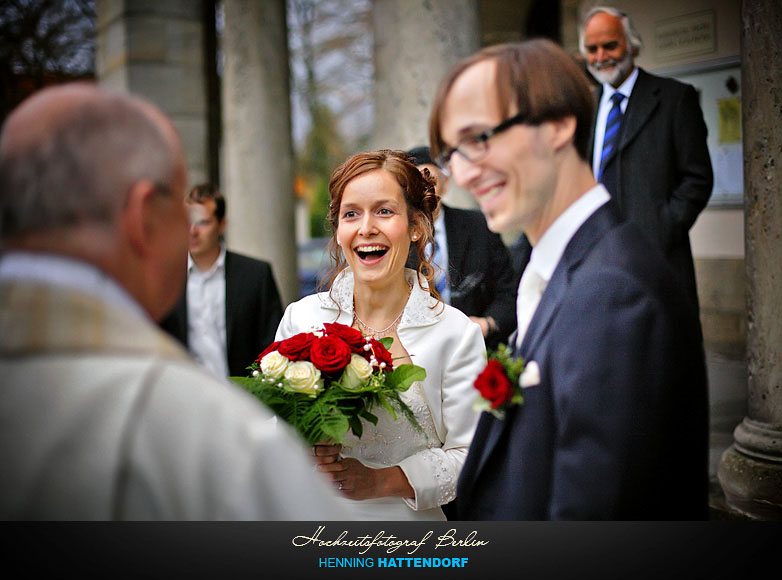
x=614, y=424
x=102, y=416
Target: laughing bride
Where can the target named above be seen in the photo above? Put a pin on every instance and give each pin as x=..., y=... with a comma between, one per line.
x=381, y=207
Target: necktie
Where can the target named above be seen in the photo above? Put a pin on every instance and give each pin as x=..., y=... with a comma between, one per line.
x=530, y=290
x=611, y=136
x=440, y=269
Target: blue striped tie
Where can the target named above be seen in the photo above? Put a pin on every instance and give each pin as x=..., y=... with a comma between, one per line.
x=611, y=137
x=441, y=269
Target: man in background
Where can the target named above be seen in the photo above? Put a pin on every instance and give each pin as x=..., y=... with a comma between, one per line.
x=102, y=415
x=649, y=142
x=230, y=309
x=473, y=270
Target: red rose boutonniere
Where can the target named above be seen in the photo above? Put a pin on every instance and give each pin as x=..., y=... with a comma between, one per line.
x=501, y=381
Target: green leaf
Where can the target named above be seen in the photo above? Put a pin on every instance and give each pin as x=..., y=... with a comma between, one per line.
x=405, y=375
x=387, y=405
x=386, y=341
x=356, y=426
x=365, y=414
x=335, y=428
x=244, y=382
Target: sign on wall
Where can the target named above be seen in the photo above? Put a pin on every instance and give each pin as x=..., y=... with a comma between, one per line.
x=685, y=36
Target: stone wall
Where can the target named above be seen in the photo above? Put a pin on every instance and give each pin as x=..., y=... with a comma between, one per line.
x=156, y=50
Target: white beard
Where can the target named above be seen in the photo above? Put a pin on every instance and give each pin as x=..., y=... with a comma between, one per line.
x=613, y=72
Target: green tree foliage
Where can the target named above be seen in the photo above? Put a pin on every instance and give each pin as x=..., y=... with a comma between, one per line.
x=331, y=63
x=43, y=42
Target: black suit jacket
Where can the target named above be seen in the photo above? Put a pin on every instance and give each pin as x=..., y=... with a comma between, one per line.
x=617, y=428
x=481, y=277
x=253, y=311
x=661, y=175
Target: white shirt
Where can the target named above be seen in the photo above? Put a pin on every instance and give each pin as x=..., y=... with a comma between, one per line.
x=626, y=88
x=206, y=337
x=55, y=270
x=547, y=253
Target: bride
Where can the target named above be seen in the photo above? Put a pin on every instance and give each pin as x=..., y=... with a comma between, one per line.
x=381, y=206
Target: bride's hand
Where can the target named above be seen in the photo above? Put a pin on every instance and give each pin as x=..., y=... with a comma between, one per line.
x=326, y=453
x=357, y=481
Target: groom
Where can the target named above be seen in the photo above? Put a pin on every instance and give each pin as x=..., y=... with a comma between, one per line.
x=616, y=426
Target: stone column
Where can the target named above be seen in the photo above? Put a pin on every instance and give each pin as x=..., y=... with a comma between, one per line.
x=156, y=50
x=750, y=470
x=416, y=41
x=258, y=151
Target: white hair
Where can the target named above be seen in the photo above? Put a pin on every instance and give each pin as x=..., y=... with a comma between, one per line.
x=632, y=37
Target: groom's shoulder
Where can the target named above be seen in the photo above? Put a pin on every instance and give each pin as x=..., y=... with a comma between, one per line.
x=623, y=268
x=625, y=247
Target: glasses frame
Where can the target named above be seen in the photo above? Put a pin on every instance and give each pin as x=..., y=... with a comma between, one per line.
x=443, y=160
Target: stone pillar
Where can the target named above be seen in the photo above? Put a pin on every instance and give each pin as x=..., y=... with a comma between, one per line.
x=258, y=151
x=156, y=50
x=416, y=41
x=750, y=470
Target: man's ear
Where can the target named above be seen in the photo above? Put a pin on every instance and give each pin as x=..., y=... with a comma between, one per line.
x=564, y=131
x=223, y=223
x=137, y=217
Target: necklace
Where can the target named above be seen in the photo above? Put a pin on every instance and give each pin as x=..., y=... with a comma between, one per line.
x=374, y=333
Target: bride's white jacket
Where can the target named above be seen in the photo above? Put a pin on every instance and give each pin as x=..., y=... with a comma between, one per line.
x=448, y=345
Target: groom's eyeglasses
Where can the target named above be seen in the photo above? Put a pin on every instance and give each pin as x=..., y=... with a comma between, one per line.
x=475, y=147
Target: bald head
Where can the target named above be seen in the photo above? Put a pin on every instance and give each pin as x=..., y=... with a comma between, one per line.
x=97, y=176
x=69, y=154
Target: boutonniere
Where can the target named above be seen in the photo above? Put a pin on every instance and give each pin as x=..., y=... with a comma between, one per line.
x=501, y=381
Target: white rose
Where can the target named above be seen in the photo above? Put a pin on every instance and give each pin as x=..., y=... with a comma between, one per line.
x=356, y=374
x=303, y=377
x=274, y=364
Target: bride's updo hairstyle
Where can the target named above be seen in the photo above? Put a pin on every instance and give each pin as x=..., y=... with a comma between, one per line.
x=419, y=193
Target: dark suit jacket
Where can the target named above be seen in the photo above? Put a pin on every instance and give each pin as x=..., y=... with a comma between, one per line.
x=481, y=277
x=252, y=311
x=661, y=175
x=618, y=426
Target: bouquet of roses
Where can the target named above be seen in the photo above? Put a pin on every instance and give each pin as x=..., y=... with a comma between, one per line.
x=501, y=381
x=324, y=382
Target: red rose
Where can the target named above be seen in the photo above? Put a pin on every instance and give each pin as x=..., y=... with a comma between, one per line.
x=297, y=347
x=353, y=338
x=271, y=348
x=330, y=354
x=381, y=354
x=493, y=384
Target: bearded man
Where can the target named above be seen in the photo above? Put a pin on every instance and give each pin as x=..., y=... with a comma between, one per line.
x=649, y=141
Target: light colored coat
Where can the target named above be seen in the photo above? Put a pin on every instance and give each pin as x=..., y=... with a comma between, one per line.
x=102, y=416
x=448, y=345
